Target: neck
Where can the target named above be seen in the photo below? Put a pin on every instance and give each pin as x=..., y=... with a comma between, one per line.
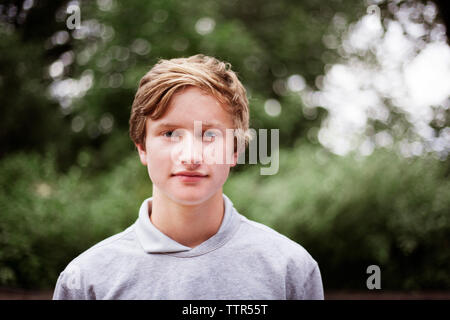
x=189, y=225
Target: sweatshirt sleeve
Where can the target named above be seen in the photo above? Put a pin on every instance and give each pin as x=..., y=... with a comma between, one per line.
x=70, y=285
x=313, y=285
x=304, y=287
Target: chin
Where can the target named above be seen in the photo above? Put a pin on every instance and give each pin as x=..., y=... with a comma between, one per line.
x=191, y=198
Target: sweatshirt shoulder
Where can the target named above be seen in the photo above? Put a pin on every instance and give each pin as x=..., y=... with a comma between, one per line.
x=302, y=274
x=105, y=250
x=271, y=240
x=94, y=266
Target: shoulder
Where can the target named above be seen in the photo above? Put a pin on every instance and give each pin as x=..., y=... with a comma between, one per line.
x=263, y=240
x=94, y=266
x=265, y=235
x=116, y=243
x=101, y=255
x=303, y=278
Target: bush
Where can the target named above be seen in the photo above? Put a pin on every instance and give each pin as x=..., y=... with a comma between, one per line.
x=349, y=214
x=47, y=218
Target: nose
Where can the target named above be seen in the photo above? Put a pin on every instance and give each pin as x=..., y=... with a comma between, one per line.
x=191, y=151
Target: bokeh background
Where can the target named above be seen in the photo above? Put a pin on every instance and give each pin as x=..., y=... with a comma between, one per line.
x=359, y=90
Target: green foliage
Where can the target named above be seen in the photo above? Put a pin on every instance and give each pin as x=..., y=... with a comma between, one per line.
x=264, y=41
x=349, y=214
x=48, y=218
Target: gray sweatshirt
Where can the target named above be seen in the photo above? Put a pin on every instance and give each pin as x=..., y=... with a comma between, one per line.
x=243, y=260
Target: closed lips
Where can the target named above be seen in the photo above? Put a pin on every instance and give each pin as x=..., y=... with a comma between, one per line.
x=190, y=174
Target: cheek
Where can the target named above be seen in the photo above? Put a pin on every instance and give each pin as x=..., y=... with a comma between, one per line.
x=159, y=163
x=221, y=172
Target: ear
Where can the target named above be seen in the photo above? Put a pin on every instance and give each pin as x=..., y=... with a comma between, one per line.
x=142, y=154
x=235, y=158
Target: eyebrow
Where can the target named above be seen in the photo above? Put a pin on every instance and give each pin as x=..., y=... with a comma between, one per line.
x=207, y=124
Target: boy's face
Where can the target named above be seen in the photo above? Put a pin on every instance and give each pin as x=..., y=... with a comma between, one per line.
x=171, y=147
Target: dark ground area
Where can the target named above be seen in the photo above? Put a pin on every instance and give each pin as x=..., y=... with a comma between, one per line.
x=20, y=294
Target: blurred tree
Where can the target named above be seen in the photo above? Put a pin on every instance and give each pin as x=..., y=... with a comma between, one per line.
x=29, y=119
x=444, y=14
x=389, y=88
x=90, y=75
x=71, y=90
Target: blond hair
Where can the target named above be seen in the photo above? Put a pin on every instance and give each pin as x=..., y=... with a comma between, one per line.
x=168, y=77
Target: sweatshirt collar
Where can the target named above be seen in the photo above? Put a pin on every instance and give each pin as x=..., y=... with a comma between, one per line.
x=154, y=241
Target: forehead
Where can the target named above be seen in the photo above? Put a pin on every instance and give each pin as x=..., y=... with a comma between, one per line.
x=193, y=104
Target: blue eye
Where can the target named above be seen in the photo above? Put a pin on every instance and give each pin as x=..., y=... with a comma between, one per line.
x=173, y=135
x=168, y=134
x=210, y=134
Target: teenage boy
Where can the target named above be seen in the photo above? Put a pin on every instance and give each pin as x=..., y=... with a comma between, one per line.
x=189, y=242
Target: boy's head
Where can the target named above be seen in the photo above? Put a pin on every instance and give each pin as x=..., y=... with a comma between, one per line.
x=168, y=77
x=173, y=98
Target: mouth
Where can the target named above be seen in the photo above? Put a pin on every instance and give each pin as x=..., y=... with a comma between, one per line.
x=189, y=176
